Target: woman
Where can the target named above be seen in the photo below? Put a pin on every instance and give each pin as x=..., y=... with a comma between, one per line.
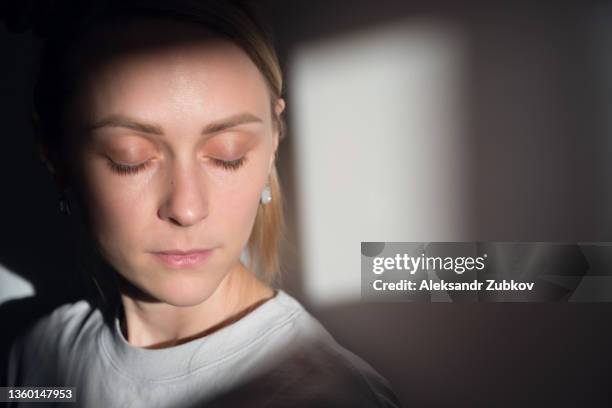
x=160, y=122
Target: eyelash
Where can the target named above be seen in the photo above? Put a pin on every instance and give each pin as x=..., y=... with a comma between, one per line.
x=123, y=169
x=231, y=165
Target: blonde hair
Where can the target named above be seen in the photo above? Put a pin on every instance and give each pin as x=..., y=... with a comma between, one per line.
x=66, y=48
x=267, y=234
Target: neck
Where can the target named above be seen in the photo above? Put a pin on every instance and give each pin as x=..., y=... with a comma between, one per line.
x=157, y=325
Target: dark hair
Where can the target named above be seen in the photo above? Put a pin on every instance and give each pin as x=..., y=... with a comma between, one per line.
x=64, y=48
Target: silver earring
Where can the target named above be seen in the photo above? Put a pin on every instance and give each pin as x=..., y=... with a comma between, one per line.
x=64, y=204
x=266, y=195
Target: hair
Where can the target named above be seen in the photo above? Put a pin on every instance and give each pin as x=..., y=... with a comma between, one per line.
x=66, y=47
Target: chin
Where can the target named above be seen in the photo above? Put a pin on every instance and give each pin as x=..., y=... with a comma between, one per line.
x=185, y=291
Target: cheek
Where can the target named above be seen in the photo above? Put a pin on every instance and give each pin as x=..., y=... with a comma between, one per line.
x=116, y=205
x=234, y=206
x=234, y=196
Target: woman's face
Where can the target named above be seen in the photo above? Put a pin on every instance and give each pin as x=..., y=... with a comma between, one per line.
x=175, y=146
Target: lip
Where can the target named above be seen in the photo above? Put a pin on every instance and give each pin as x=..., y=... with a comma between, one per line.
x=183, y=259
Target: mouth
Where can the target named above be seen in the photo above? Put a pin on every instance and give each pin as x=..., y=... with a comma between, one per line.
x=183, y=259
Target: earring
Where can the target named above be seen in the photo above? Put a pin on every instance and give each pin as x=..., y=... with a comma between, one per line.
x=266, y=195
x=64, y=205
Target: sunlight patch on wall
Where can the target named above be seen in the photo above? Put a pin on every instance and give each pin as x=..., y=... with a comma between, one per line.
x=377, y=127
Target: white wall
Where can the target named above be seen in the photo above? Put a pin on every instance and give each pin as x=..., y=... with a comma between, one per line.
x=377, y=132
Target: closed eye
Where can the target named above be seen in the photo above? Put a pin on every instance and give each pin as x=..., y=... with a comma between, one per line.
x=126, y=169
x=230, y=164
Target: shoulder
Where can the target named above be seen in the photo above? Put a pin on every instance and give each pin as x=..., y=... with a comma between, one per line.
x=44, y=343
x=318, y=370
x=63, y=324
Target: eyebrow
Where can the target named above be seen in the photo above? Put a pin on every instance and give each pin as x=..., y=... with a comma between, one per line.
x=214, y=127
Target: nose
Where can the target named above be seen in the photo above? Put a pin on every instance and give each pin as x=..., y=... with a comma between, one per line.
x=186, y=202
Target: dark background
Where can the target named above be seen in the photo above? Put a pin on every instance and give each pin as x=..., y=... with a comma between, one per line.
x=539, y=92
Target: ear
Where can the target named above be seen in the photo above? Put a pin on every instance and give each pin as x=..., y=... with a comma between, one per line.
x=51, y=162
x=279, y=107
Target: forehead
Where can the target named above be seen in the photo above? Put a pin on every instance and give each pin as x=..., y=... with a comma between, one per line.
x=153, y=68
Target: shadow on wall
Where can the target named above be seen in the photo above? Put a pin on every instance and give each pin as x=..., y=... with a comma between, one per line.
x=533, y=126
x=35, y=248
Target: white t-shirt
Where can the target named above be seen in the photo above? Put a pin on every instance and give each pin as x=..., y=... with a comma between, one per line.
x=278, y=355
